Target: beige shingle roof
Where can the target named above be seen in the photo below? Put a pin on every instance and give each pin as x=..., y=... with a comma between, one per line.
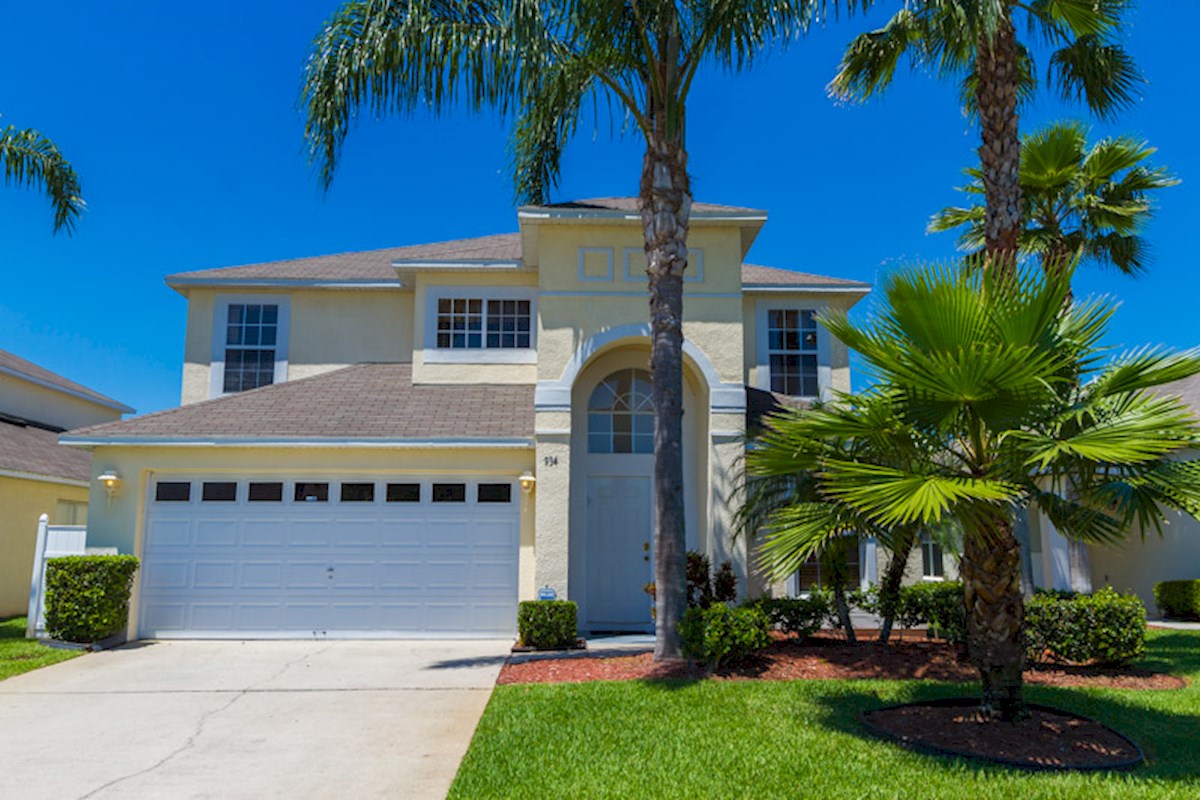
x=364, y=401
x=754, y=275
x=13, y=364
x=367, y=265
x=37, y=451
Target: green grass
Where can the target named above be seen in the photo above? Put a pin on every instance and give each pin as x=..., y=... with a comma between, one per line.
x=801, y=739
x=18, y=654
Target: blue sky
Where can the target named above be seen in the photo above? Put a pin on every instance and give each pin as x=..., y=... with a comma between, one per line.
x=181, y=120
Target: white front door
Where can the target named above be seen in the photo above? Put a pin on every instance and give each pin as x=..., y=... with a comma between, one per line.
x=619, y=553
x=350, y=556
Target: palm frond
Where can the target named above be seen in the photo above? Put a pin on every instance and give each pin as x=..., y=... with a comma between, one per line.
x=30, y=160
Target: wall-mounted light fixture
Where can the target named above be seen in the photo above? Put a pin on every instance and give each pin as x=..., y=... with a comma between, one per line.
x=527, y=481
x=111, y=482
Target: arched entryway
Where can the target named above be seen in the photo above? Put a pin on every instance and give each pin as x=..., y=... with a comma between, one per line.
x=612, y=472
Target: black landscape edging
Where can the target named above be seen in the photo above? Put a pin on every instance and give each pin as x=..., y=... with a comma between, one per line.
x=970, y=702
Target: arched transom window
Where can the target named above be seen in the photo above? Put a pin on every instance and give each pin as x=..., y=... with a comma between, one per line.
x=621, y=414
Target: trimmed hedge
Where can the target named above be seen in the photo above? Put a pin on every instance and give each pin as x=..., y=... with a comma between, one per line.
x=547, y=624
x=1102, y=628
x=937, y=604
x=87, y=597
x=1178, y=599
x=720, y=634
x=798, y=616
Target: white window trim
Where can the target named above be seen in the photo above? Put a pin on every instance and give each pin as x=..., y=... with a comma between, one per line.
x=606, y=277
x=762, y=376
x=216, y=383
x=693, y=274
x=432, y=354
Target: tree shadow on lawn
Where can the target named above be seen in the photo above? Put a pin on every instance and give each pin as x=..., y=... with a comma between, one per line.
x=1168, y=739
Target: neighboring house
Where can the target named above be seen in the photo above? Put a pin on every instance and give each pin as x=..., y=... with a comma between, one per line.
x=1133, y=565
x=37, y=474
x=406, y=441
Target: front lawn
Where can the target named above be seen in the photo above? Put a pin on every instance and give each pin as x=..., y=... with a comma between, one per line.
x=18, y=654
x=801, y=739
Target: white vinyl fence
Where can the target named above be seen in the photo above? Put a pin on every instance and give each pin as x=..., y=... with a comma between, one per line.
x=52, y=541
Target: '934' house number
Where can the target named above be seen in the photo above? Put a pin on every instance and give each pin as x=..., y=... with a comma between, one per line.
x=549, y=461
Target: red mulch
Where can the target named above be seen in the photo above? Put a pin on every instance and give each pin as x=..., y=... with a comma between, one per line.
x=1046, y=740
x=826, y=657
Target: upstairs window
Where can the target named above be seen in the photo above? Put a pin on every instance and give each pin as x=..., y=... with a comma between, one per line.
x=792, y=351
x=251, y=337
x=933, y=562
x=477, y=323
x=621, y=414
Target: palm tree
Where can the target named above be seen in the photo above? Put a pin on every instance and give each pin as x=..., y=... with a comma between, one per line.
x=979, y=379
x=1078, y=202
x=543, y=60
x=975, y=42
x=30, y=159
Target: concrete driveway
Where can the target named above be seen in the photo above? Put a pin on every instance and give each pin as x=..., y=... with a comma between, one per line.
x=308, y=719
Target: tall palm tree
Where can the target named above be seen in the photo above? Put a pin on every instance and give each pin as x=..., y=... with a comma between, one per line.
x=542, y=60
x=1077, y=202
x=979, y=376
x=30, y=159
x=975, y=42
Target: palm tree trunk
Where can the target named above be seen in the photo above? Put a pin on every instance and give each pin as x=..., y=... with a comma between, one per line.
x=995, y=609
x=842, y=605
x=893, y=576
x=666, y=205
x=997, y=64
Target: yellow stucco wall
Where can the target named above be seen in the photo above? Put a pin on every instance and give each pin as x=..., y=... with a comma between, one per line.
x=328, y=329
x=43, y=404
x=22, y=501
x=120, y=523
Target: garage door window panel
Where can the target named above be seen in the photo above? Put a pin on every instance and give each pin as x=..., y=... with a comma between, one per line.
x=404, y=493
x=218, y=492
x=312, y=493
x=449, y=493
x=173, y=492
x=358, y=493
x=494, y=493
x=271, y=492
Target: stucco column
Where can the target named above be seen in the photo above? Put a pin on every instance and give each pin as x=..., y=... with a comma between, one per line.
x=553, y=511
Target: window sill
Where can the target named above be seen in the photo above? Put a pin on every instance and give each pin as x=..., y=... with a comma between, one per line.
x=480, y=356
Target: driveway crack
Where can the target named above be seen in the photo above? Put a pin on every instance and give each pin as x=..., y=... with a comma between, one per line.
x=190, y=742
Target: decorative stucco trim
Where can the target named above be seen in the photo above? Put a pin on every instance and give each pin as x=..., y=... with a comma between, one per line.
x=725, y=398
x=581, y=269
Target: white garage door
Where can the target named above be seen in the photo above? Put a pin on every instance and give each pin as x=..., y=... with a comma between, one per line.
x=229, y=557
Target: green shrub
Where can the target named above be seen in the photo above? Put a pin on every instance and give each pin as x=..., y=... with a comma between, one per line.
x=721, y=635
x=1103, y=628
x=1178, y=599
x=937, y=604
x=87, y=597
x=703, y=587
x=798, y=616
x=547, y=624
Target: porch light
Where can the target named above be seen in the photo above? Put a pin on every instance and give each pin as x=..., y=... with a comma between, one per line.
x=527, y=482
x=111, y=482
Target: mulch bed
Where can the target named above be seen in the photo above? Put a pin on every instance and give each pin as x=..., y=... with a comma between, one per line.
x=828, y=657
x=1048, y=740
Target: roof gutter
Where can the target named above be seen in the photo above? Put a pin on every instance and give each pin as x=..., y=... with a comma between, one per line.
x=767, y=288
x=435, y=443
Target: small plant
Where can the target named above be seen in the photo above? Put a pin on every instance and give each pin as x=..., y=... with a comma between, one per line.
x=722, y=635
x=703, y=587
x=1101, y=628
x=87, y=597
x=939, y=605
x=547, y=624
x=797, y=616
x=1178, y=599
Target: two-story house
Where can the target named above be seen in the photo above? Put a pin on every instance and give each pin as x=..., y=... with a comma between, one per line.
x=38, y=475
x=407, y=441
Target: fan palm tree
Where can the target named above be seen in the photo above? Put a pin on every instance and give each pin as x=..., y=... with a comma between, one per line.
x=1077, y=202
x=979, y=379
x=29, y=160
x=975, y=42
x=543, y=60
